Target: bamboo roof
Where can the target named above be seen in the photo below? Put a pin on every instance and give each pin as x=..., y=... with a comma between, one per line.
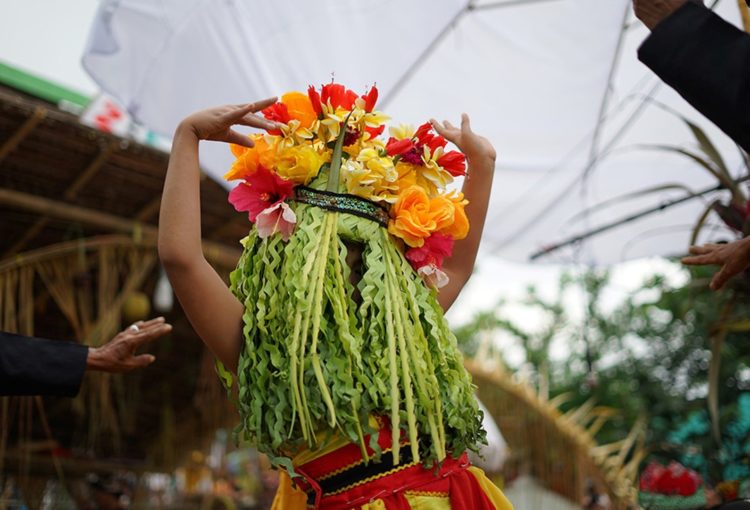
x=61, y=180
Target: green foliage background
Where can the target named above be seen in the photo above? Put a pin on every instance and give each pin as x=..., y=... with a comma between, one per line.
x=648, y=357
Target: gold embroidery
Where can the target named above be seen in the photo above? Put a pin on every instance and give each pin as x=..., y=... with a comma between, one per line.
x=375, y=477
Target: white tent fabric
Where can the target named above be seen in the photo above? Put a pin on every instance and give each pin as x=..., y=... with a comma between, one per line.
x=555, y=84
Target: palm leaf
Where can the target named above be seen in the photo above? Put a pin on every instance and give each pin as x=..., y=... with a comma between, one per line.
x=707, y=147
x=701, y=222
x=725, y=181
x=333, y=175
x=633, y=195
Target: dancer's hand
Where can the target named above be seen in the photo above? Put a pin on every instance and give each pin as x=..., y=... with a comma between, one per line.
x=733, y=258
x=653, y=12
x=471, y=144
x=118, y=355
x=216, y=123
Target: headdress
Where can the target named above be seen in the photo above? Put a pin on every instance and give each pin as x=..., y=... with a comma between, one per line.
x=319, y=353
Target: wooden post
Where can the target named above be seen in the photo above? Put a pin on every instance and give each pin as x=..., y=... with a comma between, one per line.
x=745, y=14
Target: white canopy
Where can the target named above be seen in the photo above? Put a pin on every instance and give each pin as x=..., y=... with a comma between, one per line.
x=555, y=84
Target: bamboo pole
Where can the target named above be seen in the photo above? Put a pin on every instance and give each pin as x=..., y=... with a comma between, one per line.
x=216, y=252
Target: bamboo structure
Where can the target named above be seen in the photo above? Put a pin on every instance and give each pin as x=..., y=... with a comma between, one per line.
x=559, y=449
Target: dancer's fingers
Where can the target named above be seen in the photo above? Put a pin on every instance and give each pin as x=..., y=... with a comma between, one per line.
x=257, y=121
x=239, y=139
x=465, y=123
x=241, y=110
x=438, y=127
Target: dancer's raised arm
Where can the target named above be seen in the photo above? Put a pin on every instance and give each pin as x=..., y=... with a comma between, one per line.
x=209, y=305
x=480, y=155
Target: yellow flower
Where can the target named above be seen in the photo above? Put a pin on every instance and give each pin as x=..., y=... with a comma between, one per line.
x=248, y=159
x=402, y=131
x=432, y=171
x=412, y=175
x=294, y=133
x=299, y=164
x=371, y=176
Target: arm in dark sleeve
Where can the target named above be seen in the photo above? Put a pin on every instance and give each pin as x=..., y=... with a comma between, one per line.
x=707, y=61
x=34, y=366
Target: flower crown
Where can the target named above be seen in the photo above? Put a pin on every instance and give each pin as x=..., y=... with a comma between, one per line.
x=400, y=183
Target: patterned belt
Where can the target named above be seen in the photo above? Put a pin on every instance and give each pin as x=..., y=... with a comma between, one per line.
x=351, y=204
x=354, y=476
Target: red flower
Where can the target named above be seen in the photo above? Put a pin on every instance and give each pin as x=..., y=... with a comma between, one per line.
x=338, y=96
x=277, y=112
x=371, y=97
x=650, y=476
x=398, y=147
x=454, y=162
x=432, y=252
x=315, y=100
x=375, y=132
x=674, y=479
x=261, y=190
x=351, y=136
x=425, y=136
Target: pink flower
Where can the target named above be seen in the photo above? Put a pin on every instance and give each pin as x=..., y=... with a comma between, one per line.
x=278, y=218
x=427, y=260
x=432, y=252
x=262, y=195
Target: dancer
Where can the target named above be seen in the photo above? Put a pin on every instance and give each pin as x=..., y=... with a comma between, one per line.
x=349, y=377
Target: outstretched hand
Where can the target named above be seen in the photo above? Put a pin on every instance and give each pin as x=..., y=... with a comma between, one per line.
x=733, y=258
x=471, y=144
x=216, y=123
x=118, y=355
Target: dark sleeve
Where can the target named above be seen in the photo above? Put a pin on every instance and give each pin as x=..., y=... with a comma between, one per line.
x=34, y=366
x=707, y=61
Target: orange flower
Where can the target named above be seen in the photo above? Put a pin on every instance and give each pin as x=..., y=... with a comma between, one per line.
x=299, y=107
x=415, y=216
x=444, y=213
x=459, y=229
x=248, y=159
